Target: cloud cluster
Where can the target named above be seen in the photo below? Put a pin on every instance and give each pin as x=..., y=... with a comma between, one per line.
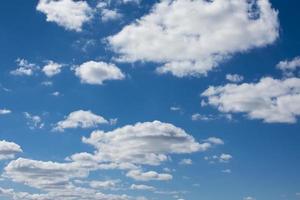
x=25, y=68
x=271, y=100
x=208, y=32
x=69, y=14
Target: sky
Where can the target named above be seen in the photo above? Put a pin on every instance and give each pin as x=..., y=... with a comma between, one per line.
x=149, y=100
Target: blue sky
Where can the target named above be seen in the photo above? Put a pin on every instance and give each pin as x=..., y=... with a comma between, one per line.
x=146, y=100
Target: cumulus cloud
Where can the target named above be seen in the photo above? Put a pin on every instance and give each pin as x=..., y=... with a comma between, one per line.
x=69, y=14
x=80, y=119
x=52, y=68
x=96, y=73
x=147, y=143
x=148, y=176
x=208, y=32
x=8, y=150
x=24, y=68
x=234, y=78
x=272, y=100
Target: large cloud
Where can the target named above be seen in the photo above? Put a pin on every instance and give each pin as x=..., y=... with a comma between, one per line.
x=271, y=100
x=8, y=150
x=191, y=37
x=69, y=14
x=147, y=143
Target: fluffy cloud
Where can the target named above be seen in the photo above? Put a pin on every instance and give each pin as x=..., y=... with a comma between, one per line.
x=272, y=100
x=92, y=72
x=148, y=176
x=69, y=14
x=8, y=150
x=147, y=143
x=208, y=32
x=80, y=119
x=25, y=68
x=234, y=78
x=52, y=68
x=289, y=66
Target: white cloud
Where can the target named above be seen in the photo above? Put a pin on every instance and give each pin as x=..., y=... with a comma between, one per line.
x=56, y=93
x=69, y=14
x=175, y=108
x=289, y=66
x=92, y=72
x=272, y=100
x=186, y=162
x=148, y=176
x=208, y=32
x=8, y=150
x=109, y=15
x=52, y=68
x=215, y=140
x=200, y=117
x=80, y=119
x=223, y=158
x=34, y=121
x=5, y=111
x=147, y=143
x=236, y=78
x=25, y=68
x=142, y=187
x=104, y=185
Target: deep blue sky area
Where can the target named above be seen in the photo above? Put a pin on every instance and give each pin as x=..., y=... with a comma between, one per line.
x=264, y=158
